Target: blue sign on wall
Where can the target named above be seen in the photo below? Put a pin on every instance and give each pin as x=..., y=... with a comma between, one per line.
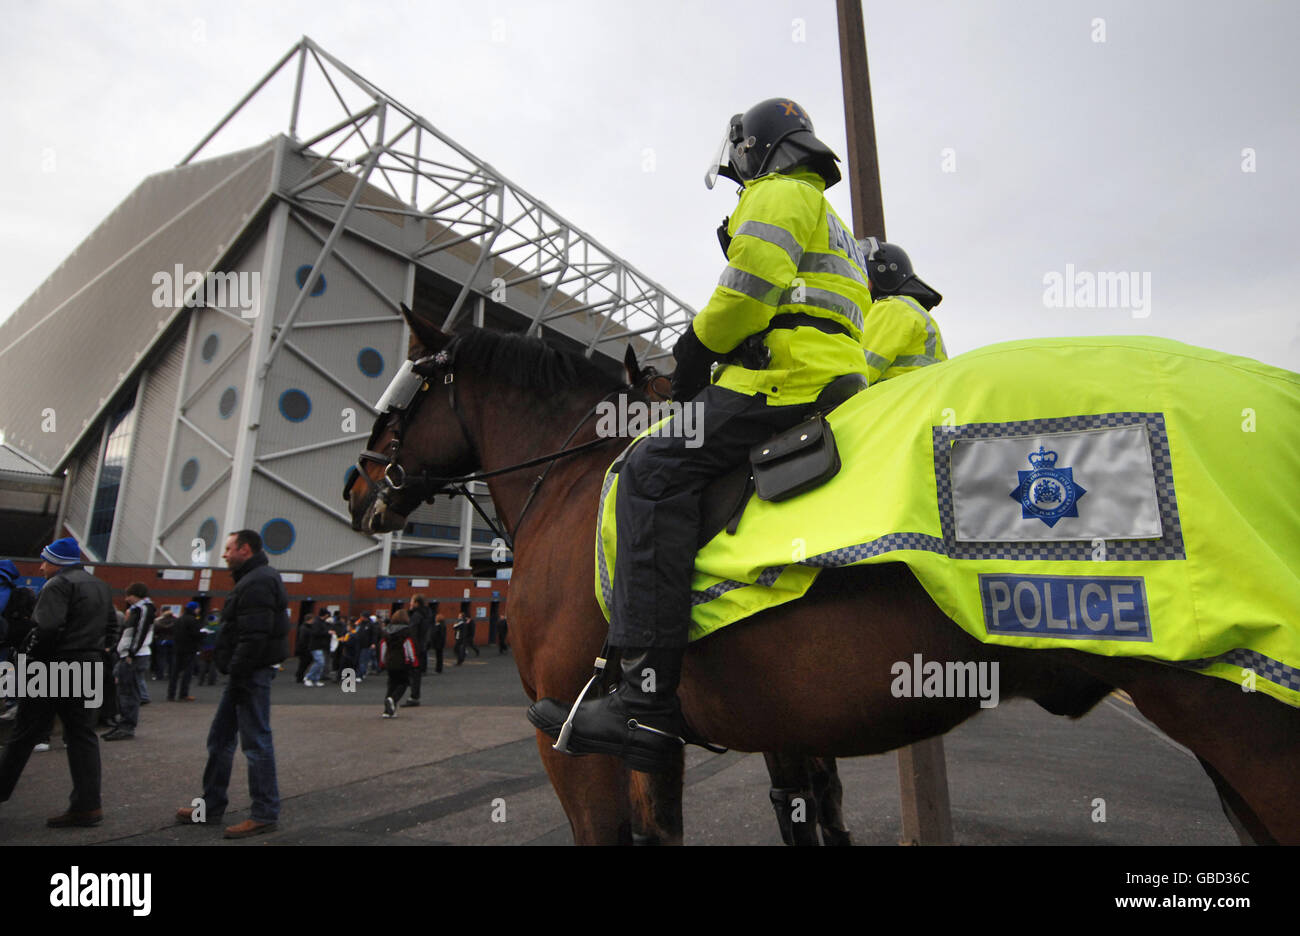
x=384, y=583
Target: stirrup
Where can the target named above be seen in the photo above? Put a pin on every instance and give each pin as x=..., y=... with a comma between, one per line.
x=634, y=725
x=562, y=741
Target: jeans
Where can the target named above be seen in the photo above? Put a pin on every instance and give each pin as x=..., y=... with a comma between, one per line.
x=140, y=677
x=243, y=714
x=130, y=676
x=317, y=666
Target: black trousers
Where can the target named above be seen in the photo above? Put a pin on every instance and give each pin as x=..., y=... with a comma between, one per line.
x=439, y=644
x=397, y=683
x=658, y=511
x=33, y=725
x=182, y=671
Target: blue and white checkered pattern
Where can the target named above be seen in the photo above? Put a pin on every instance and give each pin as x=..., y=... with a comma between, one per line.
x=1169, y=546
x=1265, y=667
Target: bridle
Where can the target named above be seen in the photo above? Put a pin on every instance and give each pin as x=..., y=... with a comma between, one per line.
x=403, y=397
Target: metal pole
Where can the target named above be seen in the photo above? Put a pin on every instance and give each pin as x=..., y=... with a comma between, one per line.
x=860, y=124
x=922, y=771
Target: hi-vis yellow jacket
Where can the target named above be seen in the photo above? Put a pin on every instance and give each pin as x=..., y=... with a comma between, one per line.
x=900, y=336
x=790, y=253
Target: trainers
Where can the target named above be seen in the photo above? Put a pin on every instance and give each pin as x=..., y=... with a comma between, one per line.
x=188, y=698
x=42, y=747
x=411, y=703
x=92, y=818
x=249, y=827
x=390, y=708
x=117, y=734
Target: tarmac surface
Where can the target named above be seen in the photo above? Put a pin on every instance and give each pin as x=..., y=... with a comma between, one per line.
x=449, y=772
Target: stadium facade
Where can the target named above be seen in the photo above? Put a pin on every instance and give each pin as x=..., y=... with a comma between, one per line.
x=208, y=358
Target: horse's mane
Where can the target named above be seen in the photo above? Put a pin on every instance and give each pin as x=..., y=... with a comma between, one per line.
x=529, y=364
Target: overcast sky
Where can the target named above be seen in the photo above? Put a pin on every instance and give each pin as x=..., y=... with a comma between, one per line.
x=1018, y=141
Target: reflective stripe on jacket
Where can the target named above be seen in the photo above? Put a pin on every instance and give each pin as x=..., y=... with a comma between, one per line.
x=789, y=253
x=900, y=336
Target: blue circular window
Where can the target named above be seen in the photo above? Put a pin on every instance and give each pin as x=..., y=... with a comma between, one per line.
x=278, y=536
x=208, y=533
x=295, y=405
x=370, y=361
x=189, y=474
x=226, y=405
x=301, y=276
x=210, y=346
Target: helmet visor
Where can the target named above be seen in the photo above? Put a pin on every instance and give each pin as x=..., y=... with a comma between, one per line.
x=720, y=161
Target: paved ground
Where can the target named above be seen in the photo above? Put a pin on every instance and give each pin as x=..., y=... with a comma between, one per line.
x=432, y=775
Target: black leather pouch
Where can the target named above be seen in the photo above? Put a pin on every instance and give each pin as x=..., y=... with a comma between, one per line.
x=795, y=461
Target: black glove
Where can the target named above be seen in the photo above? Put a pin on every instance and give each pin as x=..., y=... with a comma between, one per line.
x=693, y=363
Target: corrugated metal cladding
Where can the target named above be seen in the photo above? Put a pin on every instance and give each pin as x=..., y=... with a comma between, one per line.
x=103, y=329
x=344, y=295
x=138, y=504
x=302, y=536
x=83, y=487
x=205, y=521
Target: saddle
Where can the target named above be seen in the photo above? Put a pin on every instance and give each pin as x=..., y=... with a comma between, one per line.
x=790, y=463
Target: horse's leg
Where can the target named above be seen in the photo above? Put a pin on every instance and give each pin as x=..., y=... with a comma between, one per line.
x=793, y=797
x=592, y=792
x=830, y=794
x=1250, y=831
x=656, y=805
x=1252, y=742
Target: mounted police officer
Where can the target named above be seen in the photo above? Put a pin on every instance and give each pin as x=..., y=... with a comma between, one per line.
x=788, y=317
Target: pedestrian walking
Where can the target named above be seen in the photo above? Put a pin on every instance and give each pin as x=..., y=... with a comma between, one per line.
x=397, y=656
x=72, y=616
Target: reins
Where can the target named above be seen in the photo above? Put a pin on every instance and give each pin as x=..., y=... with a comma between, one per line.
x=403, y=398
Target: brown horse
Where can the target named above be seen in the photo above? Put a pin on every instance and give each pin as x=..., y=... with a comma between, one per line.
x=496, y=403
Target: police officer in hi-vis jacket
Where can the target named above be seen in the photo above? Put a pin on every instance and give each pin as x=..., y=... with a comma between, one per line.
x=788, y=316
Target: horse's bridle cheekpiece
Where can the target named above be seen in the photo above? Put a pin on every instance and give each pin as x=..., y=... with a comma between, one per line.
x=402, y=399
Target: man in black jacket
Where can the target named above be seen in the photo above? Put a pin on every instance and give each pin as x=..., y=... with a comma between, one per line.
x=72, y=618
x=421, y=628
x=186, y=644
x=254, y=638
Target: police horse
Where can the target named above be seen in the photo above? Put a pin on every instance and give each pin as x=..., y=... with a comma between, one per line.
x=504, y=407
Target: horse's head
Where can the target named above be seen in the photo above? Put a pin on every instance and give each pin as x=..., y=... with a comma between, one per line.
x=419, y=436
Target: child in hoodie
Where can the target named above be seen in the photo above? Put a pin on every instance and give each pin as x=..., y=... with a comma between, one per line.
x=397, y=655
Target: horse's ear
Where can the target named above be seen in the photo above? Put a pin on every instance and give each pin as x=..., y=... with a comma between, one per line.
x=630, y=365
x=424, y=334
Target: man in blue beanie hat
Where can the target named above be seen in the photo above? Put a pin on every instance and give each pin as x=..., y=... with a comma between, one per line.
x=72, y=617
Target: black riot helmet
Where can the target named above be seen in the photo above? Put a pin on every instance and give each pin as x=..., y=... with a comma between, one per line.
x=890, y=271
x=774, y=136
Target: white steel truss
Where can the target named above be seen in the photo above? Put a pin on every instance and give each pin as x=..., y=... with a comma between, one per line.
x=423, y=174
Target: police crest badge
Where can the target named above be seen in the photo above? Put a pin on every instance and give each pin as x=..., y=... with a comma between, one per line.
x=1047, y=492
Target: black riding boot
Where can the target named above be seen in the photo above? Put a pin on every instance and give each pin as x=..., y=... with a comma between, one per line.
x=641, y=721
